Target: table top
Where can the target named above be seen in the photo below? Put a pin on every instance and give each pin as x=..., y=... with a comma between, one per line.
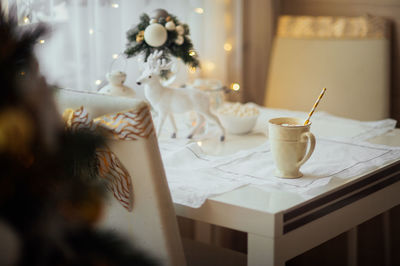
x=233, y=209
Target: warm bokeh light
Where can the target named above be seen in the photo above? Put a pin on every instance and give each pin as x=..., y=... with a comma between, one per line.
x=97, y=82
x=91, y=31
x=199, y=143
x=192, y=53
x=235, y=86
x=42, y=41
x=227, y=47
x=192, y=70
x=26, y=20
x=208, y=65
x=115, y=56
x=114, y=5
x=199, y=10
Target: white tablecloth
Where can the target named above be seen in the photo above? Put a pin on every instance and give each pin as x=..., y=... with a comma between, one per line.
x=194, y=175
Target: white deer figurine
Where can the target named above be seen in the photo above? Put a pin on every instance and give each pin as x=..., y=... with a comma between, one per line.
x=167, y=101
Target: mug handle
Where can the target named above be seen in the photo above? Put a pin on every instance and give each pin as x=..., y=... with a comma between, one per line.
x=310, y=136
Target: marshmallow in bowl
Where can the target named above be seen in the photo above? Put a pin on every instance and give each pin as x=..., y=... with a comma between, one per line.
x=238, y=118
x=238, y=109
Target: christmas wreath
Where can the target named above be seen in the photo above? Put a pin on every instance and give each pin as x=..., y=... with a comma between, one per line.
x=162, y=31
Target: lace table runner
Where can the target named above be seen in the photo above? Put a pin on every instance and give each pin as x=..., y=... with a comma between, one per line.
x=193, y=175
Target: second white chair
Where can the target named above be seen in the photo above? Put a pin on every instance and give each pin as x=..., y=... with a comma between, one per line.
x=349, y=56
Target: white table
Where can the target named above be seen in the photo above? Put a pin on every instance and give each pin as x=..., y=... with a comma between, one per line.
x=281, y=225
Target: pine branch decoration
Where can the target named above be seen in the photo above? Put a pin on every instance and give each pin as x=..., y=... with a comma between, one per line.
x=178, y=43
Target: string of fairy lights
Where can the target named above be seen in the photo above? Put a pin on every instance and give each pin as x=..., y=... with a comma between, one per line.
x=207, y=64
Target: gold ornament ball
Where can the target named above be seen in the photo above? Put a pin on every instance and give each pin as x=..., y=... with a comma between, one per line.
x=139, y=39
x=140, y=36
x=16, y=131
x=155, y=35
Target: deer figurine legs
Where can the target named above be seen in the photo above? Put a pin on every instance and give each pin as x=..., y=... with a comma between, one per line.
x=199, y=124
x=161, y=120
x=212, y=117
x=160, y=123
x=172, y=119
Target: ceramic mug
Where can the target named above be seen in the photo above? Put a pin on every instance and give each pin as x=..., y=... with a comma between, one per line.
x=289, y=139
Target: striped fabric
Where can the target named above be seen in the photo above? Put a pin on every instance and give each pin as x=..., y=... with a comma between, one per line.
x=327, y=27
x=118, y=179
x=129, y=125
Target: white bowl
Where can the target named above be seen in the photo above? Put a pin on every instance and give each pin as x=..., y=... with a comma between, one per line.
x=238, y=124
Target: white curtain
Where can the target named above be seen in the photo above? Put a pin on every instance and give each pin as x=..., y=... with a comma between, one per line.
x=89, y=36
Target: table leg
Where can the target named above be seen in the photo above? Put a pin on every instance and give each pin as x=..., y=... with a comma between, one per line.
x=262, y=251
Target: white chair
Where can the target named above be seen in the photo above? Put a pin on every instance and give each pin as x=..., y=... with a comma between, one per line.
x=349, y=56
x=152, y=225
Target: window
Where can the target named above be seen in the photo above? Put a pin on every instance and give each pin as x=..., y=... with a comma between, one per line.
x=88, y=38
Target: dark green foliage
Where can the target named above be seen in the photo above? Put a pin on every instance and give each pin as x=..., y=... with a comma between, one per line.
x=50, y=192
x=79, y=153
x=88, y=247
x=15, y=54
x=169, y=48
x=180, y=52
x=144, y=22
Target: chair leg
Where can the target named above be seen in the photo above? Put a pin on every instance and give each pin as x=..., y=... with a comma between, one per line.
x=386, y=237
x=352, y=246
x=203, y=232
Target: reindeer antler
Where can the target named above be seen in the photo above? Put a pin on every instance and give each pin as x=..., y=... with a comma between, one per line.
x=163, y=64
x=153, y=57
x=155, y=63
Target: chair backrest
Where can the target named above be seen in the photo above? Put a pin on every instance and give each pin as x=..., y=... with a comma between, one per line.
x=349, y=56
x=152, y=224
